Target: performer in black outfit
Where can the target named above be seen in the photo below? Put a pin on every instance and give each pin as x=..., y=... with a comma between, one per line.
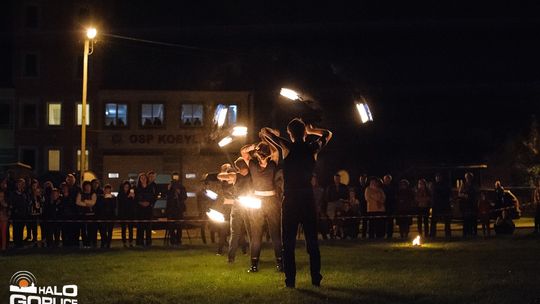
x=262, y=170
x=239, y=214
x=299, y=205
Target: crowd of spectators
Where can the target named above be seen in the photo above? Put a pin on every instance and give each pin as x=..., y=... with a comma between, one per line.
x=372, y=208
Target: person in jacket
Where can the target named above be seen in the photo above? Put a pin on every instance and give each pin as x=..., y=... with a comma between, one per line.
x=145, y=198
x=36, y=210
x=106, y=211
x=86, y=201
x=468, y=195
x=126, y=212
x=441, y=209
x=484, y=214
x=389, y=189
x=52, y=212
x=422, y=198
x=404, y=203
x=19, y=211
x=176, y=206
x=375, y=199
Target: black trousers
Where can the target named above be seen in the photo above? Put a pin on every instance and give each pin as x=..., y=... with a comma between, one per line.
x=377, y=226
x=18, y=233
x=105, y=233
x=271, y=212
x=299, y=208
x=144, y=230
x=129, y=229
x=423, y=217
x=239, y=225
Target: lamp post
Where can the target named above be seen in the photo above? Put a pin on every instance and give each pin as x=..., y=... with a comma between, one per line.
x=90, y=35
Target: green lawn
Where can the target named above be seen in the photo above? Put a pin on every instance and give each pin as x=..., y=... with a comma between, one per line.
x=472, y=271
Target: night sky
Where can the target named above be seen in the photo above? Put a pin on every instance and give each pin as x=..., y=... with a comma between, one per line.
x=447, y=83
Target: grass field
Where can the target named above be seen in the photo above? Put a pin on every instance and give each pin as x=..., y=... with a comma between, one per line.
x=471, y=271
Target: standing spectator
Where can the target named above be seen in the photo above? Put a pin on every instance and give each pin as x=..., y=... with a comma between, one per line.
x=145, y=198
x=390, y=203
x=422, y=199
x=86, y=201
x=4, y=217
x=96, y=187
x=336, y=194
x=19, y=211
x=72, y=231
x=126, y=211
x=52, y=212
x=499, y=196
x=360, y=189
x=36, y=209
x=152, y=183
x=106, y=211
x=318, y=195
x=484, y=212
x=469, y=201
x=536, y=201
x=441, y=206
x=176, y=206
x=348, y=226
x=375, y=199
x=404, y=203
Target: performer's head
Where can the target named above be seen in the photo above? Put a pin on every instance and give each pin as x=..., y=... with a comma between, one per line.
x=241, y=166
x=296, y=129
x=263, y=152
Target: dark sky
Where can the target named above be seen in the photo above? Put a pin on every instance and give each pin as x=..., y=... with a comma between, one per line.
x=448, y=81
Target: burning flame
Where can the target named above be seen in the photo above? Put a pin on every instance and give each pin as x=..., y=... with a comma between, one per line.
x=216, y=216
x=211, y=194
x=250, y=202
x=416, y=241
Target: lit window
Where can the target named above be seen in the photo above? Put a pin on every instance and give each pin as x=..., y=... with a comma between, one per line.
x=54, y=114
x=116, y=115
x=192, y=115
x=54, y=160
x=79, y=112
x=152, y=114
x=113, y=175
x=191, y=175
x=225, y=115
x=79, y=160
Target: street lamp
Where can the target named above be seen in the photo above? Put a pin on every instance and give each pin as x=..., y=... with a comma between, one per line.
x=91, y=33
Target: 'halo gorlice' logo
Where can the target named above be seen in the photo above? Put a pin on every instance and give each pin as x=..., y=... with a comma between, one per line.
x=24, y=290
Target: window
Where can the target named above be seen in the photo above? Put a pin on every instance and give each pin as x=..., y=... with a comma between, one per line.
x=29, y=115
x=5, y=115
x=28, y=157
x=152, y=114
x=192, y=115
x=225, y=115
x=54, y=114
x=79, y=112
x=113, y=175
x=30, y=65
x=116, y=114
x=79, y=160
x=54, y=159
x=31, y=15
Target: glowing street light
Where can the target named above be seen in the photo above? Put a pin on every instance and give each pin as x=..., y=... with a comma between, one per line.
x=250, y=202
x=216, y=216
x=239, y=131
x=364, y=112
x=225, y=141
x=290, y=94
x=91, y=33
x=211, y=194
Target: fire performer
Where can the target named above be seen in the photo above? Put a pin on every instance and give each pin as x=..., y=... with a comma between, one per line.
x=239, y=221
x=299, y=205
x=262, y=170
